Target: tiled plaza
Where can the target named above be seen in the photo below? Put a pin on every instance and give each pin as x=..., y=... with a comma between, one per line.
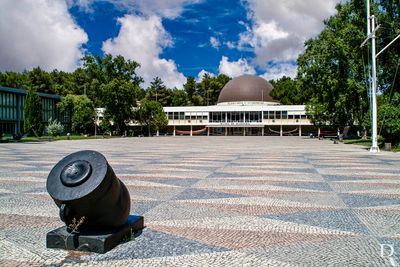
x=217, y=201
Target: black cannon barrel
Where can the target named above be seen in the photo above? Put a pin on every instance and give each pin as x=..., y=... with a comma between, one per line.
x=83, y=184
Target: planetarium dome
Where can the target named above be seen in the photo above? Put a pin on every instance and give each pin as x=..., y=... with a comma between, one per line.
x=247, y=89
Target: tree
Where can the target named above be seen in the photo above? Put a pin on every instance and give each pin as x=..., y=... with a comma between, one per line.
x=203, y=89
x=158, y=92
x=198, y=100
x=190, y=89
x=216, y=85
x=105, y=127
x=287, y=92
x=119, y=99
x=33, y=124
x=331, y=70
x=389, y=119
x=83, y=112
x=98, y=71
x=389, y=18
x=66, y=83
x=40, y=81
x=178, y=97
x=151, y=115
x=210, y=87
x=114, y=85
x=14, y=80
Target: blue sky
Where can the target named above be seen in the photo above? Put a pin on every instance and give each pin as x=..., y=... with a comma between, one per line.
x=171, y=39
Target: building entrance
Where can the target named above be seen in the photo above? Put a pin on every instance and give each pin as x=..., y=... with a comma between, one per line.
x=236, y=131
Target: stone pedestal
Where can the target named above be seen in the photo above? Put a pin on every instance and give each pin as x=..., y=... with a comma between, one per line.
x=99, y=242
x=388, y=146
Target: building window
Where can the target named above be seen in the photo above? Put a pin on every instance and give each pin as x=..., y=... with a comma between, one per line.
x=235, y=116
x=284, y=115
x=8, y=104
x=271, y=115
x=253, y=116
x=219, y=117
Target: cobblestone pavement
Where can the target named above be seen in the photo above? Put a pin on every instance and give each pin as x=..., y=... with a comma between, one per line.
x=217, y=201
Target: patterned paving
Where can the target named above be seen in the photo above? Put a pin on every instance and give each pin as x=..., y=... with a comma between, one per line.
x=217, y=201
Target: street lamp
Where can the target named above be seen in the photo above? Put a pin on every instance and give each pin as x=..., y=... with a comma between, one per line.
x=371, y=34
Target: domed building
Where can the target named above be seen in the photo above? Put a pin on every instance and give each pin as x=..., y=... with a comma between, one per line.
x=246, y=89
x=244, y=107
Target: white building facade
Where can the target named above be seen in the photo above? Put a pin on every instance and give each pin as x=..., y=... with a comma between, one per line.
x=256, y=119
x=244, y=108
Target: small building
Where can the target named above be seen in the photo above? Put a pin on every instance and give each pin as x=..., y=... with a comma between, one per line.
x=12, y=104
x=244, y=107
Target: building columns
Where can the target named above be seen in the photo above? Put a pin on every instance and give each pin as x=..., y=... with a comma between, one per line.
x=226, y=131
x=244, y=131
x=299, y=130
x=208, y=131
x=281, y=131
x=174, y=130
x=191, y=130
x=262, y=131
x=158, y=133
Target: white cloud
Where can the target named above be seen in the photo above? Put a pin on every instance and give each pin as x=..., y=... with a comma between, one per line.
x=84, y=5
x=201, y=74
x=39, y=33
x=230, y=45
x=277, y=71
x=280, y=27
x=166, y=9
x=214, y=42
x=143, y=39
x=235, y=68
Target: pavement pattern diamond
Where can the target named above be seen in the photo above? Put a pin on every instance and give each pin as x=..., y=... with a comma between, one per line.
x=217, y=201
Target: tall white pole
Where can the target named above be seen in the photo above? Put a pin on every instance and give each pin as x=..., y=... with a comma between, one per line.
x=374, y=147
x=371, y=34
x=368, y=18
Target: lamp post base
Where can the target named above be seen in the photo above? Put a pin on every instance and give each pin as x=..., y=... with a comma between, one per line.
x=374, y=149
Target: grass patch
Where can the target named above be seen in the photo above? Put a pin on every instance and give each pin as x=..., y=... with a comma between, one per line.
x=368, y=143
x=396, y=148
x=362, y=142
x=51, y=138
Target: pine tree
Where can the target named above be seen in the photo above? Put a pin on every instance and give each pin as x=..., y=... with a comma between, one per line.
x=33, y=124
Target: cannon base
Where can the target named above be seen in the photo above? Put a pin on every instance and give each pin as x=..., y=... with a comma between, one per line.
x=99, y=242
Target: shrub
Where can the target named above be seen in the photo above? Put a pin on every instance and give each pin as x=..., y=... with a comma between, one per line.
x=54, y=128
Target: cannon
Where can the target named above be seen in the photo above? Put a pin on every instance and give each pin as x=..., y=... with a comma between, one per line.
x=93, y=203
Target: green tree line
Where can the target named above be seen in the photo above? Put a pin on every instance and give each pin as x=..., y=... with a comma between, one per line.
x=111, y=83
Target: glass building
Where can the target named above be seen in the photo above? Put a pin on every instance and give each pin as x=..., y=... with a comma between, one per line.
x=12, y=104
